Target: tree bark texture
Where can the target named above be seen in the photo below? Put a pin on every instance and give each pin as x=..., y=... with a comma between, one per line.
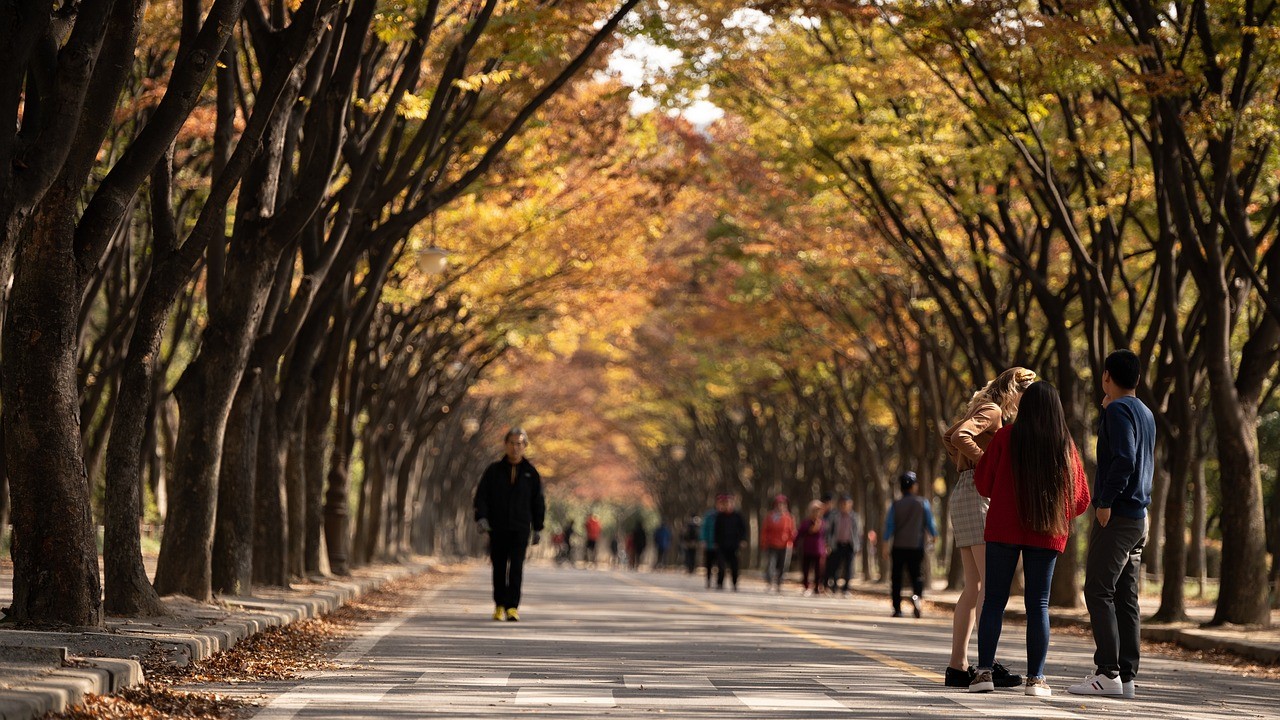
x=54, y=547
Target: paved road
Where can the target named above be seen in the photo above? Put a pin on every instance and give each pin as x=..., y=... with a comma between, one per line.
x=613, y=644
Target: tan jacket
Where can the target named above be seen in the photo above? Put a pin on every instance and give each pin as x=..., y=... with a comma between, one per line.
x=967, y=440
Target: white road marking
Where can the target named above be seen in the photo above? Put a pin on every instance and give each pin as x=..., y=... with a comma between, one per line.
x=789, y=701
x=667, y=682
x=453, y=677
x=565, y=696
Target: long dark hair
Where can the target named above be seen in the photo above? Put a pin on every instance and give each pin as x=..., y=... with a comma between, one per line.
x=1042, y=461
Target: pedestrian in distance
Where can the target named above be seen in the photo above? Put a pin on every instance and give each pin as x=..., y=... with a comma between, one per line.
x=990, y=409
x=689, y=541
x=1121, y=494
x=844, y=542
x=510, y=509
x=730, y=531
x=1032, y=474
x=777, y=536
x=661, y=544
x=593, y=530
x=908, y=525
x=638, y=541
x=709, y=553
x=812, y=539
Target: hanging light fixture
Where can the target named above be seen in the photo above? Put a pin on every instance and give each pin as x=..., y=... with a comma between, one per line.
x=434, y=259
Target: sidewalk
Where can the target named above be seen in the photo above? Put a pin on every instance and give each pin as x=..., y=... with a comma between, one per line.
x=1260, y=645
x=52, y=671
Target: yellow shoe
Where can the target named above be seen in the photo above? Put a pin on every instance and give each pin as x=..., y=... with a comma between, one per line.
x=499, y=613
x=513, y=615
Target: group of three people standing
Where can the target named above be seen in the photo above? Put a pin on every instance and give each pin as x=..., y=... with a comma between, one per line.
x=1021, y=485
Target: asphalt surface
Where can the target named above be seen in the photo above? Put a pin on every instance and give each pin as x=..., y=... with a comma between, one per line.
x=599, y=643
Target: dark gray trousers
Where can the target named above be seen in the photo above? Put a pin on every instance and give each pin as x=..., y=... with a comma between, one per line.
x=1113, y=574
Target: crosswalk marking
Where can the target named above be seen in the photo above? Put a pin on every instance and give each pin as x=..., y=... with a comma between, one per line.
x=565, y=696
x=453, y=677
x=789, y=701
x=667, y=682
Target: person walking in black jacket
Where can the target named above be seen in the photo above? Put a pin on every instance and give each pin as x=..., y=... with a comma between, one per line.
x=509, y=506
x=730, y=536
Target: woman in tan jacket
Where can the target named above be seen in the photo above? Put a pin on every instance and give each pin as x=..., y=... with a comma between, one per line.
x=990, y=409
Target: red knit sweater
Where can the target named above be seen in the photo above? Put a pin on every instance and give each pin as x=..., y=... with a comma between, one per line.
x=994, y=479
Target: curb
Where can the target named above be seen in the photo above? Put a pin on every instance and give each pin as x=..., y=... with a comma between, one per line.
x=49, y=682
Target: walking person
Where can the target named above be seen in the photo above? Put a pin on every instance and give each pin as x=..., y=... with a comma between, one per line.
x=909, y=523
x=1121, y=494
x=844, y=540
x=638, y=541
x=777, y=534
x=812, y=539
x=661, y=544
x=593, y=530
x=1031, y=472
x=689, y=541
x=510, y=508
x=730, y=531
x=709, y=553
x=990, y=409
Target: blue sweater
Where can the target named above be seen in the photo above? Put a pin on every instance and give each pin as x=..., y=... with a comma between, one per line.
x=1126, y=458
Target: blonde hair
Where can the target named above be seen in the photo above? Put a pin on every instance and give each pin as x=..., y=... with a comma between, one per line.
x=1003, y=392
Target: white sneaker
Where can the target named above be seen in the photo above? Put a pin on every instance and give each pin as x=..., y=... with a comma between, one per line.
x=1129, y=689
x=1098, y=684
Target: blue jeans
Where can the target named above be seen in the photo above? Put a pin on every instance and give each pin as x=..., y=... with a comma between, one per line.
x=1037, y=571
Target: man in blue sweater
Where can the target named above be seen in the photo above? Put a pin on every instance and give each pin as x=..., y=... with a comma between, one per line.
x=1121, y=494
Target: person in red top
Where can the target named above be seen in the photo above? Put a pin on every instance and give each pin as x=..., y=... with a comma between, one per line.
x=593, y=537
x=777, y=533
x=1032, y=473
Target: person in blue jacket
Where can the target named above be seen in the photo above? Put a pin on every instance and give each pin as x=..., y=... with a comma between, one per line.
x=1121, y=494
x=510, y=509
x=909, y=524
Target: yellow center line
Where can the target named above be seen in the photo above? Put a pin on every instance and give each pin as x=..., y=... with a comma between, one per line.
x=794, y=631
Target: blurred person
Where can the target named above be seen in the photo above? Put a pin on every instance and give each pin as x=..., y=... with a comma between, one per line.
x=844, y=542
x=777, y=535
x=812, y=539
x=510, y=509
x=593, y=530
x=730, y=536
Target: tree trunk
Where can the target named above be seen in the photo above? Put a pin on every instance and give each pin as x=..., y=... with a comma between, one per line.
x=237, y=521
x=54, y=547
x=1242, y=598
x=270, y=544
x=128, y=589
x=205, y=394
x=296, y=499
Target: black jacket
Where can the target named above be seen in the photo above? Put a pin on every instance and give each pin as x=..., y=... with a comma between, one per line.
x=511, y=503
x=730, y=530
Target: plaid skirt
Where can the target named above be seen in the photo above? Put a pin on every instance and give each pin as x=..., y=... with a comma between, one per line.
x=968, y=512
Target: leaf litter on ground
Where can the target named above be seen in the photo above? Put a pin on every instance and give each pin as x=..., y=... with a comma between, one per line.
x=277, y=653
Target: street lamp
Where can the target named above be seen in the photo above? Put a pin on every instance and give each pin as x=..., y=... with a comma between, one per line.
x=433, y=260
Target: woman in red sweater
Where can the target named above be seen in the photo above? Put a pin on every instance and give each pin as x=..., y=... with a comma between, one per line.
x=1032, y=473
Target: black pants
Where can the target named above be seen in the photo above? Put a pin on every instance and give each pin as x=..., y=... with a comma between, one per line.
x=727, y=557
x=709, y=558
x=690, y=559
x=840, y=565
x=912, y=561
x=1112, y=579
x=506, y=551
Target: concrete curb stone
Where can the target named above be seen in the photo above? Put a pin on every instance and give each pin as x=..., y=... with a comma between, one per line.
x=44, y=671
